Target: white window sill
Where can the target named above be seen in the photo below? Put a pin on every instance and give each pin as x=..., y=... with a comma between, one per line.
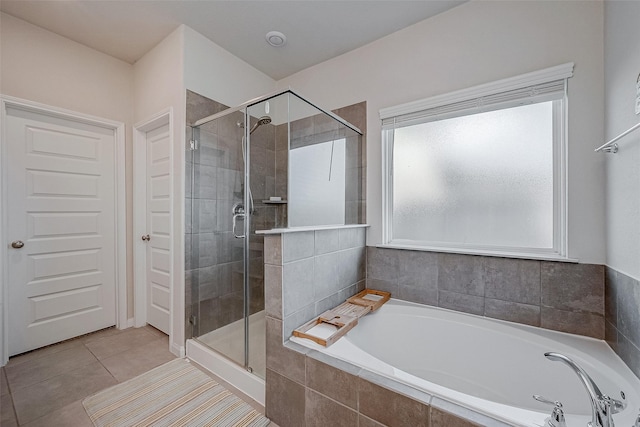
x=482, y=252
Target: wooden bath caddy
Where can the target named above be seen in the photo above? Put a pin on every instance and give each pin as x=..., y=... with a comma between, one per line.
x=343, y=317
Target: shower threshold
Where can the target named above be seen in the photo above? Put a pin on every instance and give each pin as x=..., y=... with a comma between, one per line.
x=229, y=341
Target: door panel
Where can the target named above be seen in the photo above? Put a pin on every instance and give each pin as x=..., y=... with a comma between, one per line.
x=158, y=226
x=61, y=200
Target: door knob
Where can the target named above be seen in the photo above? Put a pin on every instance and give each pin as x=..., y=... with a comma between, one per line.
x=146, y=237
x=17, y=244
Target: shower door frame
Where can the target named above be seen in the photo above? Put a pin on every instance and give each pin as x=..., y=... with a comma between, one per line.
x=244, y=108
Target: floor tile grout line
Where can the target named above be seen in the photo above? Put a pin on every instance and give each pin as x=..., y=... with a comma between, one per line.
x=57, y=375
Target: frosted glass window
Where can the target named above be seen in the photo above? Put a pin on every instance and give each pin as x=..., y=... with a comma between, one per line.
x=317, y=184
x=480, y=180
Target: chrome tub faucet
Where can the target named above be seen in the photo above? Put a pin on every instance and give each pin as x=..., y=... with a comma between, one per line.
x=602, y=406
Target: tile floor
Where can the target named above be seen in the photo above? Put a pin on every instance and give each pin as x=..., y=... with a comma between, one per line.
x=46, y=387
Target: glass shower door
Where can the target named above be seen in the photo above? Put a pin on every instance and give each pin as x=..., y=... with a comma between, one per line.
x=217, y=226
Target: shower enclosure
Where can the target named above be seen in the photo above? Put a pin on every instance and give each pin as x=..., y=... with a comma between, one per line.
x=275, y=162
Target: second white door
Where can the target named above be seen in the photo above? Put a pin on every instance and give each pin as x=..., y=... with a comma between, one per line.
x=158, y=226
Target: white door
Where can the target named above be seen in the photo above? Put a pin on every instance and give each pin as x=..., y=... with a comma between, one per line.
x=158, y=223
x=61, y=228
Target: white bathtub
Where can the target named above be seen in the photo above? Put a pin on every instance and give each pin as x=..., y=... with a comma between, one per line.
x=489, y=366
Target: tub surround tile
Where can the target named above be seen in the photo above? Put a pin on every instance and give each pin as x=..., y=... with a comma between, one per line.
x=333, y=379
x=321, y=411
x=611, y=296
x=390, y=408
x=623, y=317
x=383, y=264
x=448, y=414
x=588, y=324
x=414, y=294
x=510, y=289
x=629, y=353
x=298, y=281
x=285, y=361
x=273, y=290
x=297, y=246
x=418, y=269
x=351, y=238
x=461, y=273
x=512, y=280
x=573, y=287
x=368, y=422
x=461, y=302
x=285, y=400
x=611, y=336
x=351, y=266
x=512, y=311
x=628, y=308
x=298, y=318
x=326, y=241
x=383, y=285
x=326, y=274
x=440, y=418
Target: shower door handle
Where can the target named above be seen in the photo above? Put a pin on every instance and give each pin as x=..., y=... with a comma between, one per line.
x=238, y=212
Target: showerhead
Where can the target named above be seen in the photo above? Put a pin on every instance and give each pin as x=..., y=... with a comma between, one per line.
x=264, y=120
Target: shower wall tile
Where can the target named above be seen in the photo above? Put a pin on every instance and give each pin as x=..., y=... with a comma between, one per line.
x=573, y=287
x=199, y=106
x=205, y=182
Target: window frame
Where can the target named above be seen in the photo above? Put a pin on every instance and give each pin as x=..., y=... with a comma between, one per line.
x=560, y=140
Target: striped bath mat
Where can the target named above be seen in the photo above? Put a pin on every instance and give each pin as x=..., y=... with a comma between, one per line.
x=174, y=394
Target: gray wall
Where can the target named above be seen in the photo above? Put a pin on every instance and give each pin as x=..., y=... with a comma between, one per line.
x=621, y=66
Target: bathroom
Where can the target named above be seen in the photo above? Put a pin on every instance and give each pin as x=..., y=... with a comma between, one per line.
x=471, y=44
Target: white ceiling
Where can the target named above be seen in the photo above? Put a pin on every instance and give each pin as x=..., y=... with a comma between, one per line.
x=316, y=30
